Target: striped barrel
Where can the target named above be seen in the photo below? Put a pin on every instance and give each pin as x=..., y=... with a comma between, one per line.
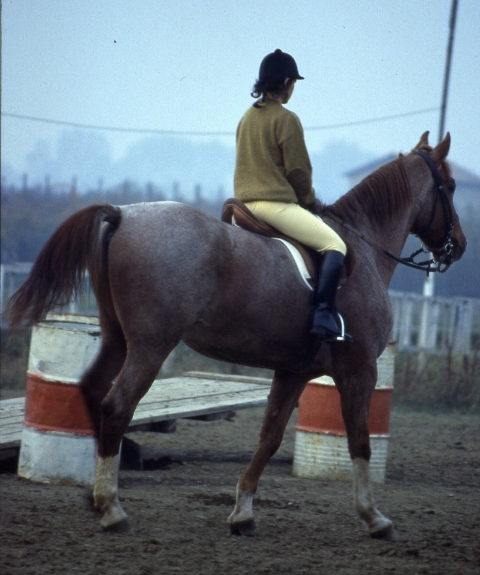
x=57, y=443
x=321, y=448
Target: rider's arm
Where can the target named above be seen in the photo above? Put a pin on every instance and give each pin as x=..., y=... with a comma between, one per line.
x=301, y=182
x=298, y=169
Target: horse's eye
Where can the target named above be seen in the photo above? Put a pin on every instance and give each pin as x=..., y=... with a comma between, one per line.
x=451, y=186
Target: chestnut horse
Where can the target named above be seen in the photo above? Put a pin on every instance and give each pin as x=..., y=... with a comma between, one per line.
x=165, y=272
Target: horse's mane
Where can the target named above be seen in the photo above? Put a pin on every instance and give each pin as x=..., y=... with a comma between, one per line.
x=380, y=195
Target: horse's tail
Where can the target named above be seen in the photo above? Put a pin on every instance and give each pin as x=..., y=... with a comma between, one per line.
x=57, y=274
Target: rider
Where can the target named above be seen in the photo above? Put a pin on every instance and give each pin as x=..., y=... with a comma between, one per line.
x=273, y=177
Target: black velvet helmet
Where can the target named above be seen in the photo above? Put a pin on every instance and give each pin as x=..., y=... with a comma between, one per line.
x=277, y=66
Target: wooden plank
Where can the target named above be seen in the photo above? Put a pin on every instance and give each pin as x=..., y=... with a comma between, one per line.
x=228, y=377
x=11, y=422
x=192, y=395
x=11, y=434
x=179, y=409
x=11, y=404
x=12, y=410
x=180, y=387
x=176, y=389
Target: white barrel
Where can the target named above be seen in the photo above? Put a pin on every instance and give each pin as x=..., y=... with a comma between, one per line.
x=58, y=444
x=321, y=448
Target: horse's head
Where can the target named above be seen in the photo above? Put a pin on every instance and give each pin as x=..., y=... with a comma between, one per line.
x=437, y=223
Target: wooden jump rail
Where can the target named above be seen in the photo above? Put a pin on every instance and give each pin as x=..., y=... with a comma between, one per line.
x=194, y=394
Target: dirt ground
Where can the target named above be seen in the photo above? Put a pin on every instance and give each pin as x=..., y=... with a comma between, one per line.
x=178, y=513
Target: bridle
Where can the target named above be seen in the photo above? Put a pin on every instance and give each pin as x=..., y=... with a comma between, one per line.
x=444, y=253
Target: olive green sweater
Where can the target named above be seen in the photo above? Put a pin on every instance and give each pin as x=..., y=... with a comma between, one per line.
x=272, y=161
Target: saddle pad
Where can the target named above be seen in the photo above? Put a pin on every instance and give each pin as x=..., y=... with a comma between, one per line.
x=297, y=259
x=299, y=262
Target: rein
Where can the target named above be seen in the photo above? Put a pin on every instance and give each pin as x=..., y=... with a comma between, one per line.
x=430, y=265
x=424, y=266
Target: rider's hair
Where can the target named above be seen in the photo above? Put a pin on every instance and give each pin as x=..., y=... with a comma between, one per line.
x=260, y=90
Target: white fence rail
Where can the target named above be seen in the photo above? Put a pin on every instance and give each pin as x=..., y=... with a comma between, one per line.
x=11, y=278
x=434, y=324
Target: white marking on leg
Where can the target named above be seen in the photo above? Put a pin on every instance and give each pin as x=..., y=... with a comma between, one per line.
x=243, y=510
x=105, y=492
x=364, y=501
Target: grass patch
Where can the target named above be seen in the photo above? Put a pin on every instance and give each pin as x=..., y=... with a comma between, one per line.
x=15, y=346
x=427, y=381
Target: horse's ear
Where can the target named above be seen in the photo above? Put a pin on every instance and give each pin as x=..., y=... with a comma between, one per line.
x=440, y=152
x=423, y=141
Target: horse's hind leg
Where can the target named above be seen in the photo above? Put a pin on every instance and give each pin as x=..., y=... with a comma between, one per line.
x=284, y=394
x=356, y=393
x=97, y=380
x=138, y=373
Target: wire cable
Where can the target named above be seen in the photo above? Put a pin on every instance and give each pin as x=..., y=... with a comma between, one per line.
x=372, y=120
x=200, y=133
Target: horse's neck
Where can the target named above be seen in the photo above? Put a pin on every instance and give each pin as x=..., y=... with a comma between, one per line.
x=389, y=235
x=393, y=235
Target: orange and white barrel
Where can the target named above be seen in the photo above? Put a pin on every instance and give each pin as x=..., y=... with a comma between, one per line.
x=57, y=443
x=321, y=448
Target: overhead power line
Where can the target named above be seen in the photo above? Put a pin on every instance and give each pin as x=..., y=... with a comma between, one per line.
x=113, y=128
x=373, y=120
x=200, y=133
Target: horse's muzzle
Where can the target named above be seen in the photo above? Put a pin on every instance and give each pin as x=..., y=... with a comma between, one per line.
x=459, y=245
x=451, y=252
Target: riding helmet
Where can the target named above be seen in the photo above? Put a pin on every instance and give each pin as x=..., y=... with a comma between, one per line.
x=277, y=66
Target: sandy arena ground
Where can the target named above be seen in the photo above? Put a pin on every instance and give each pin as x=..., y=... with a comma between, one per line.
x=178, y=513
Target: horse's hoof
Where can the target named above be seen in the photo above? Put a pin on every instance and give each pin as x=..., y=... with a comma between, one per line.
x=388, y=533
x=122, y=526
x=115, y=519
x=247, y=528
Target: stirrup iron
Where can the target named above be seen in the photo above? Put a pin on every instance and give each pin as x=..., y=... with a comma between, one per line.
x=343, y=336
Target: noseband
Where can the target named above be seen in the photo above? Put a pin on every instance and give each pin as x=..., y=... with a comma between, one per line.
x=445, y=251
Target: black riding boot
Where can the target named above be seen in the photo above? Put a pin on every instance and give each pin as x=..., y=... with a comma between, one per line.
x=325, y=318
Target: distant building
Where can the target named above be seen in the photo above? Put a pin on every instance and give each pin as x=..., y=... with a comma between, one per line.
x=467, y=194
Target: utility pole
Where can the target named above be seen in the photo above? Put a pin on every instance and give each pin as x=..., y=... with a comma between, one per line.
x=429, y=285
x=446, y=80
x=426, y=337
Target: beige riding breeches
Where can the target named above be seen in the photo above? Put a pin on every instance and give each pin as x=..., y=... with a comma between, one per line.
x=299, y=224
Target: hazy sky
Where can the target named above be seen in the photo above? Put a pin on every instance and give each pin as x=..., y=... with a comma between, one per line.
x=189, y=65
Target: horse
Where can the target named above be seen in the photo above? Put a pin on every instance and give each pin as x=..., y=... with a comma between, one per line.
x=165, y=272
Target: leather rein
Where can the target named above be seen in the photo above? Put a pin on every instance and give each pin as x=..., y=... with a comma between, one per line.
x=445, y=258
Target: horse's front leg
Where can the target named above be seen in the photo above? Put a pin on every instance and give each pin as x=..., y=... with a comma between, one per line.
x=356, y=393
x=379, y=526
x=105, y=494
x=284, y=394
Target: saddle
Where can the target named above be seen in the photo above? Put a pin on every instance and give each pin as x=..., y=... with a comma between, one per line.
x=235, y=212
